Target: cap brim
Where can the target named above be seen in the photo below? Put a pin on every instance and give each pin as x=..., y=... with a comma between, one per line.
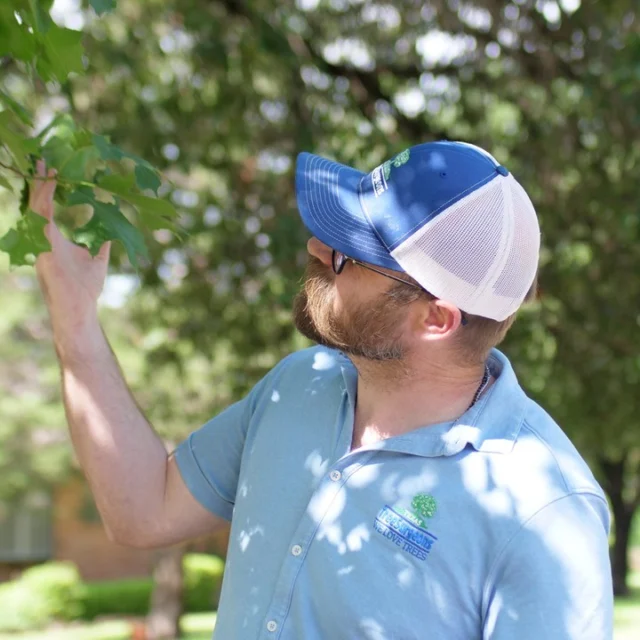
x=328, y=200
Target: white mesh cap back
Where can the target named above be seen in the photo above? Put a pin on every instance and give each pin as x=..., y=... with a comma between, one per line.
x=481, y=253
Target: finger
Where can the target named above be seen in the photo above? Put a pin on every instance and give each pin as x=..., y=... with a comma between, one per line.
x=49, y=186
x=53, y=234
x=43, y=188
x=105, y=249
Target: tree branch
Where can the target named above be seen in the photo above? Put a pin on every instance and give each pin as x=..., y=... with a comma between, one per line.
x=366, y=86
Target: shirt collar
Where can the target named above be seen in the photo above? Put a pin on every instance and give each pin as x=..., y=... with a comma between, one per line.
x=492, y=425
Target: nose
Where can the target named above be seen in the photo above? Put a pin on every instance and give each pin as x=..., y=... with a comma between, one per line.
x=320, y=250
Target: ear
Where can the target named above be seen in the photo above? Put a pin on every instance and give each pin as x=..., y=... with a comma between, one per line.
x=440, y=320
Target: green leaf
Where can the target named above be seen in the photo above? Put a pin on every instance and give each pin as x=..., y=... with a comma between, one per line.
x=102, y=6
x=63, y=53
x=5, y=184
x=17, y=108
x=123, y=186
x=65, y=148
x=41, y=20
x=146, y=175
x=19, y=146
x=147, y=178
x=15, y=39
x=106, y=149
x=107, y=223
x=61, y=119
x=27, y=240
x=76, y=166
x=57, y=152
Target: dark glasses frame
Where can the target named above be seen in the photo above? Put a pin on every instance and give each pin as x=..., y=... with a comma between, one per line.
x=339, y=261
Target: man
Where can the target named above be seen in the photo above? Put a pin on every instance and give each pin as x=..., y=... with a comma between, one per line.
x=393, y=483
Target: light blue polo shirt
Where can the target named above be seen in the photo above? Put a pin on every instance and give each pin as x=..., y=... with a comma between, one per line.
x=491, y=527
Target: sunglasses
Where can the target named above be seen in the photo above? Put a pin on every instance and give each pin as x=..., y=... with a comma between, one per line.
x=339, y=261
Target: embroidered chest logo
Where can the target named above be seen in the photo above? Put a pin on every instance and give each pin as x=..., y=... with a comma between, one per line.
x=407, y=527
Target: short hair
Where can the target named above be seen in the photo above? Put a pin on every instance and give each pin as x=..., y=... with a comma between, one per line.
x=479, y=335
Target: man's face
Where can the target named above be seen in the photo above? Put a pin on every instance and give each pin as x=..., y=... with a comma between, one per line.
x=356, y=312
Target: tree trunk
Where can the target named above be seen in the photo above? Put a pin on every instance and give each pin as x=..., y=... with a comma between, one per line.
x=163, y=621
x=623, y=511
x=620, y=552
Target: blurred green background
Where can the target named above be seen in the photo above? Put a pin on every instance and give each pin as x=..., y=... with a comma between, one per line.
x=222, y=95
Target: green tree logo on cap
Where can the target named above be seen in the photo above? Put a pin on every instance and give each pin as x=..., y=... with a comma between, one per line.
x=397, y=161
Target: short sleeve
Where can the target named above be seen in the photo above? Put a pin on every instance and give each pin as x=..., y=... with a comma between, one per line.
x=209, y=459
x=553, y=580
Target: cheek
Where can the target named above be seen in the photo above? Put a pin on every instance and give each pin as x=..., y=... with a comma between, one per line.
x=354, y=291
x=344, y=294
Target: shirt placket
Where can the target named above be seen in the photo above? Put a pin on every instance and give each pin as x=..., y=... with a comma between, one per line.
x=331, y=484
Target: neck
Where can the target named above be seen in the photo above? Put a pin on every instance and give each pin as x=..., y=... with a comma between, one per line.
x=394, y=398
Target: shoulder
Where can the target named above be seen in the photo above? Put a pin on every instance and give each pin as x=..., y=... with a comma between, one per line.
x=529, y=459
x=307, y=364
x=560, y=518
x=543, y=440
x=544, y=467
x=313, y=369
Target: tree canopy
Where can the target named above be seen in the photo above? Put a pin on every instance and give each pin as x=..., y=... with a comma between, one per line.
x=219, y=96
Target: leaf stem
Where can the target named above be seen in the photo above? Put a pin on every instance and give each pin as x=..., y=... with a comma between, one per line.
x=63, y=181
x=10, y=168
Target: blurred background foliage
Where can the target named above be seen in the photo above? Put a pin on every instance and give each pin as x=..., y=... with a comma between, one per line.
x=222, y=94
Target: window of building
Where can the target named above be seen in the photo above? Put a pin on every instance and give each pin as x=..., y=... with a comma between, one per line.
x=26, y=530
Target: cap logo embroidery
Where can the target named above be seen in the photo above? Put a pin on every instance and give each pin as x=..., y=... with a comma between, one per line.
x=397, y=162
x=378, y=181
x=406, y=528
x=380, y=175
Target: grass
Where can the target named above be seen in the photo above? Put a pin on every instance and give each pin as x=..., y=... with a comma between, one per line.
x=195, y=626
x=199, y=626
x=626, y=615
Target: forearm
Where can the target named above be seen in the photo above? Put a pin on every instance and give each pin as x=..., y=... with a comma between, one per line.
x=124, y=460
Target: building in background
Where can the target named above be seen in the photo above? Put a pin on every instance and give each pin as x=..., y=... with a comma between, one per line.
x=65, y=525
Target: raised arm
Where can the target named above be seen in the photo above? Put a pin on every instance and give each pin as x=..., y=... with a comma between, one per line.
x=138, y=489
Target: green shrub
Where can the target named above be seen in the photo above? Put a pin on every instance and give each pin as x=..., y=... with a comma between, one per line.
x=18, y=610
x=117, y=597
x=60, y=587
x=202, y=579
x=53, y=591
x=41, y=594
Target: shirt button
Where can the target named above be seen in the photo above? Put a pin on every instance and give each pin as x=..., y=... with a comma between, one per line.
x=296, y=550
x=272, y=625
x=335, y=475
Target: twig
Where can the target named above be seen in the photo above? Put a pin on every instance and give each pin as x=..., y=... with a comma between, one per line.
x=10, y=168
x=63, y=181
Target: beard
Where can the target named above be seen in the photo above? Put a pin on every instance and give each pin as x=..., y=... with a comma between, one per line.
x=370, y=330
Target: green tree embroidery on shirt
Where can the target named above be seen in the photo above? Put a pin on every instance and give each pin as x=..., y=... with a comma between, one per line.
x=424, y=505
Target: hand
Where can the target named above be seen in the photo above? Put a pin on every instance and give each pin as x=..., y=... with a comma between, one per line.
x=70, y=278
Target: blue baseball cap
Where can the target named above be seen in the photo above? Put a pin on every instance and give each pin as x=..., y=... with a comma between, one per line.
x=446, y=213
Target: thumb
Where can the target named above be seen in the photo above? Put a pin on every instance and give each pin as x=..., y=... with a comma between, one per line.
x=105, y=249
